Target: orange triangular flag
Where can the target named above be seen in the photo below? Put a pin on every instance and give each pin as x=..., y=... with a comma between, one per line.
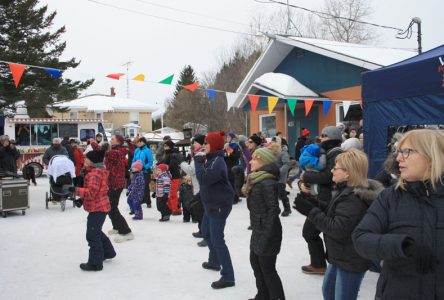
x=192, y=87
x=17, y=72
x=115, y=76
x=308, y=105
x=254, y=100
x=272, y=101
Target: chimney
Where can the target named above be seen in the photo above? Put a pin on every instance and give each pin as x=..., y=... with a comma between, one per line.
x=113, y=91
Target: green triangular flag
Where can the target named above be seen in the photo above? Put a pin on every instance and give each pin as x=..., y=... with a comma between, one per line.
x=167, y=80
x=292, y=105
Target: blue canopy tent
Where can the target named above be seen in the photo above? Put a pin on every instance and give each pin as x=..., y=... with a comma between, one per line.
x=408, y=93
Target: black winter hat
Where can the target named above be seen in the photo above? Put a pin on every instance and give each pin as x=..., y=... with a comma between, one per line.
x=95, y=156
x=256, y=139
x=200, y=138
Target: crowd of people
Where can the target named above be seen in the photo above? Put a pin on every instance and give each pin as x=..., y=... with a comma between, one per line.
x=392, y=225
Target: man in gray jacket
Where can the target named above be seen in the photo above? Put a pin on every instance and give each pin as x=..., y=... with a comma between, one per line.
x=55, y=149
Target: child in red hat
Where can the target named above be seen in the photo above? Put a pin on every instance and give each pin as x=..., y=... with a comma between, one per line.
x=163, y=182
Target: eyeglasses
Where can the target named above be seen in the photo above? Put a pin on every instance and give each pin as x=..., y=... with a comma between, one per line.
x=405, y=152
x=336, y=168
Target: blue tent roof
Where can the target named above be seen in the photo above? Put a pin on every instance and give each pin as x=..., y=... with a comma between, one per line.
x=410, y=92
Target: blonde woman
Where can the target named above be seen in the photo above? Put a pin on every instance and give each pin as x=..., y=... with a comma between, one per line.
x=350, y=200
x=405, y=225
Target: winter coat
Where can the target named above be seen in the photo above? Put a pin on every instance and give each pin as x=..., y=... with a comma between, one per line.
x=136, y=189
x=160, y=152
x=302, y=141
x=145, y=155
x=312, y=157
x=186, y=195
x=163, y=182
x=116, y=165
x=51, y=151
x=215, y=189
x=343, y=214
x=8, y=159
x=284, y=164
x=173, y=159
x=78, y=159
x=416, y=213
x=69, y=149
x=232, y=159
x=324, y=178
x=262, y=199
x=190, y=170
x=95, y=190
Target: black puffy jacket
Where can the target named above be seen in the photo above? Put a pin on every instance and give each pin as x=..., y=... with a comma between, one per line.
x=8, y=159
x=342, y=215
x=417, y=213
x=262, y=199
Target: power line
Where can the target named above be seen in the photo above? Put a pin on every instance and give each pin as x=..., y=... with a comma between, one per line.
x=325, y=15
x=191, y=12
x=170, y=19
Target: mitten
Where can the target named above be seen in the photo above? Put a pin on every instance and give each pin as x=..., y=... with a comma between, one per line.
x=425, y=259
x=78, y=203
x=303, y=206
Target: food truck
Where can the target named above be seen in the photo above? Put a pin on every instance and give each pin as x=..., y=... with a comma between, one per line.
x=34, y=135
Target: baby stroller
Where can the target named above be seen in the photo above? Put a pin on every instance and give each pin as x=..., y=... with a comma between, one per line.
x=61, y=171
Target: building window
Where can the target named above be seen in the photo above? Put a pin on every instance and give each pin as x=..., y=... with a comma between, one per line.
x=267, y=125
x=354, y=113
x=73, y=115
x=99, y=115
x=134, y=117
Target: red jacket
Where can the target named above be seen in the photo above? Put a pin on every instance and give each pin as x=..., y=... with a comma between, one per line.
x=78, y=158
x=95, y=191
x=116, y=165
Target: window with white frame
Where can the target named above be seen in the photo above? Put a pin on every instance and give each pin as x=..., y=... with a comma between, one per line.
x=267, y=125
x=354, y=113
x=99, y=115
x=134, y=117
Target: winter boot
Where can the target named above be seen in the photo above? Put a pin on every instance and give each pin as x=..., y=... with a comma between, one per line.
x=222, y=284
x=207, y=266
x=202, y=243
x=197, y=234
x=90, y=267
x=120, y=238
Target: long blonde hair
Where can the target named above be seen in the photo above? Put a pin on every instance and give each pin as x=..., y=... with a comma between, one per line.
x=430, y=144
x=355, y=162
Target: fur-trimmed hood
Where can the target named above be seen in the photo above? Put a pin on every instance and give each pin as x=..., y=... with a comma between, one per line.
x=368, y=195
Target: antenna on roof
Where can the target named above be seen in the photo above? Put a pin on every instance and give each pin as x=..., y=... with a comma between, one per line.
x=127, y=64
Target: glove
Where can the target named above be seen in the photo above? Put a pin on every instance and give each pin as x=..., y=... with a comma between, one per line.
x=302, y=205
x=153, y=195
x=425, y=259
x=78, y=203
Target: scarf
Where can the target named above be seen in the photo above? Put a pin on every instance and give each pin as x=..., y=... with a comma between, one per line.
x=254, y=178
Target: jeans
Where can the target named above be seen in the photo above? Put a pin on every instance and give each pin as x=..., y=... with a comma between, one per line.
x=341, y=285
x=99, y=244
x=268, y=282
x=118, y=221
x=315, y=244
x=213, y=233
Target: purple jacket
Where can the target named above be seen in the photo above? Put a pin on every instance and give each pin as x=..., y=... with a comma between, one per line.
x=137, y=187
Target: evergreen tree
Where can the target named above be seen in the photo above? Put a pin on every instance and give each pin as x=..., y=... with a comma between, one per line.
x=25, y=38
x=187, y=76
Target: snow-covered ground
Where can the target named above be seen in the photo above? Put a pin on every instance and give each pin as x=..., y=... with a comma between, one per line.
x=40, y=255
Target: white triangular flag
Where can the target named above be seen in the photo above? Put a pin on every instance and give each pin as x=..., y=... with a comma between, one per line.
x=231, y=98
x=346, y=107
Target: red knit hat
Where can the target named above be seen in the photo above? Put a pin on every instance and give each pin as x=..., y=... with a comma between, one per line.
x=305, y=132
x=216, y=140
x=162, y=167
x=137, y=166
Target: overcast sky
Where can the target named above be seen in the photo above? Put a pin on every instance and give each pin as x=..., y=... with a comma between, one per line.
x=104, y=38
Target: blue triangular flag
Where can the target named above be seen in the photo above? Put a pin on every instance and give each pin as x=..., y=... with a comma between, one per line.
x=54, y=72
x=211, y=94
x=326, y=104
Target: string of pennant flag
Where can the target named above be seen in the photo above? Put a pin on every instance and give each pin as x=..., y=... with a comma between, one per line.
x=17, y=71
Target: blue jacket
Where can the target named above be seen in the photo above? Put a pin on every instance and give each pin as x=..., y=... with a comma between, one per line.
x=145, y=155
x=215, y=189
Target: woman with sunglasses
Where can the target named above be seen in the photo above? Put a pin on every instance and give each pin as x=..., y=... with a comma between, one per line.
x=350, y=200
x=405, y=225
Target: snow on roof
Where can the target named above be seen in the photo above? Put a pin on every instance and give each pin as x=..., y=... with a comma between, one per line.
x=283, y=84
x=102, y=103
x=364, y=56
x=372, y=55
x=131, y=125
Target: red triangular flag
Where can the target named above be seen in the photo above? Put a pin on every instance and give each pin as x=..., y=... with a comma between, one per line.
x=254, y=100
x=192, y=87
x=308, y=105
x=115, y=76
x=17, y=72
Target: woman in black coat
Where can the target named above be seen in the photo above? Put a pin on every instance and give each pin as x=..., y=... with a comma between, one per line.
x=405, y=225
x=353, y=195
x=266, y=236
x=8, y=156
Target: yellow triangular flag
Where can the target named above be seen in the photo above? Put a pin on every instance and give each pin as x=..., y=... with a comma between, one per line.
x=272, y=101
x=139, y=77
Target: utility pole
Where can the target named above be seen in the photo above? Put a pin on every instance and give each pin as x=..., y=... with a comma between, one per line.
x=127, y=64
x=418, y=23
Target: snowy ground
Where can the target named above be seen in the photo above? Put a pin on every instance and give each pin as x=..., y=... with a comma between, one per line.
x=41, y=251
